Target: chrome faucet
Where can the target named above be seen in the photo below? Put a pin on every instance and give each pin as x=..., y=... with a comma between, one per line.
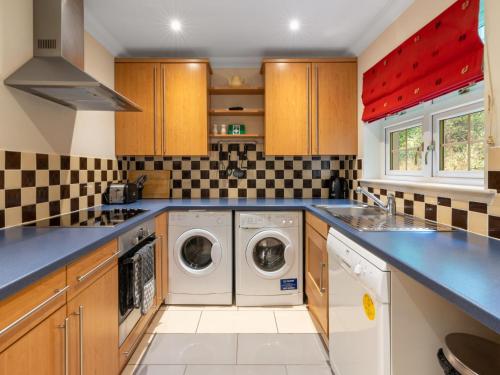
x=390, y=207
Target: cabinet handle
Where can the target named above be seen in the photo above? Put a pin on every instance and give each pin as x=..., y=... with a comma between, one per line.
x=80, y=323
x=316, y=68
x=154, y=109
x=65, y=326
x=322, y=289
x=308, y=86
x=164, y=113
x=18, y=321
x=96, y=268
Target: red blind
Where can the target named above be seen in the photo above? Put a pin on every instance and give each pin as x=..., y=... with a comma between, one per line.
x=444, y=56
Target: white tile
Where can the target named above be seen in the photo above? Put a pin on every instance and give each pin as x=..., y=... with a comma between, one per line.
x=294, y=322
x=141, y=349
x=273, y=308
x=293, y=349
x=167, y=321
x=308, y=370
x=184, y=349
x=200, y=308
x=235, y=370
x=155, y=370
x=237, y=322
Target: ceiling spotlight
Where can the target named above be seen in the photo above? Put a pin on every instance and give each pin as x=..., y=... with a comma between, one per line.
x=176, y=25
x=294, y=25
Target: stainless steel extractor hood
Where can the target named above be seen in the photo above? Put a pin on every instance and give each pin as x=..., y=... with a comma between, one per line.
x=56, y=70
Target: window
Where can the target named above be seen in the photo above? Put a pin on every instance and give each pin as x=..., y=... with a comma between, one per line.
x=441, y=141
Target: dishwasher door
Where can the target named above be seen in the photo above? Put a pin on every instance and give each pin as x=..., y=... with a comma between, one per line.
x=359, y=339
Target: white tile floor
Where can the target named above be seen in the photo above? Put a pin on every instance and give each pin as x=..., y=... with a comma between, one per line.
x=229, y=340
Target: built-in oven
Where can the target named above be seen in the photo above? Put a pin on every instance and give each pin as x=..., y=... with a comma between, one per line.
x=136, y=271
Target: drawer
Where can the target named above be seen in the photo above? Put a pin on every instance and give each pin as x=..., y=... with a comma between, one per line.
x=319, y=225
x=25, y=309
x=86, y=270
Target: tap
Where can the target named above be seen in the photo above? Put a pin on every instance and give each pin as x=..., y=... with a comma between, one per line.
x=389, y=208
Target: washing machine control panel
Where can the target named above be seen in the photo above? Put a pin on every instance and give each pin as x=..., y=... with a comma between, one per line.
x=267, y=220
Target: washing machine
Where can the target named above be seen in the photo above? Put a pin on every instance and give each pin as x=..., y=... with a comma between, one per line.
x=268, y=258
x=200, y=258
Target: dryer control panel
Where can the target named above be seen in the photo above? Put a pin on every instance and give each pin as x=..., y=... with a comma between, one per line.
x=255, y=220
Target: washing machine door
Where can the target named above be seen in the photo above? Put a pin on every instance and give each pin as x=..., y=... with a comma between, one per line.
x=197, y=252
x=270, y=254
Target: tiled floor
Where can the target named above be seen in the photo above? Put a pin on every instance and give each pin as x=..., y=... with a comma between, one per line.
x=194, y=340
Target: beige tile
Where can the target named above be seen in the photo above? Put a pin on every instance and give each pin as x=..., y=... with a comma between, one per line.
x=175, y=322
x=294, y=322
x=444, y=215
x=13, y=216
x=419, y=209
x=460, y=205
x=74, y=190
x=28, y=161
x=54, y=193
x=2, y=159
x=54, y=162
x=430, y=200
x=28, y=196
x=74, y=163
x=237, y=322
x=494, y=207
x=42, y=178
x=12, y=179
x=478, y=222
x=200, y=308
x=42, y=210
x=494, y=159
x=273, y=308
x=141, y=349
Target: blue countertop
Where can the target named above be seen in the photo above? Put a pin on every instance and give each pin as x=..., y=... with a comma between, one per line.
x=462, y=267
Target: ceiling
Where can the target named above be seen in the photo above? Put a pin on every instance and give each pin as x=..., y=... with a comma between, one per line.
x=239, y=32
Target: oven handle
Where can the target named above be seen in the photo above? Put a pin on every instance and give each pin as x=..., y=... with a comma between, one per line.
x=96, y=268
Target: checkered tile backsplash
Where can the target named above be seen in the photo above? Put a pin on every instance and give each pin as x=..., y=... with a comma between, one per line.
x=265, y=176
x=36, y=186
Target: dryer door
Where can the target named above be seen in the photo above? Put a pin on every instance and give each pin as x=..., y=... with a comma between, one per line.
x=197, y=252
x=270, y=254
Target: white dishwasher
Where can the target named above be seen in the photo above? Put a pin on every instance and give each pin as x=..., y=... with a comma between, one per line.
x=359, y=309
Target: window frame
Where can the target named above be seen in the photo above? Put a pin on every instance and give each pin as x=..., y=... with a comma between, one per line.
x=463, y=101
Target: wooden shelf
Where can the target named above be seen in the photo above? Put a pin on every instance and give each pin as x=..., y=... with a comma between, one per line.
x=245, y=112
x=227, y=90
x=236, y=136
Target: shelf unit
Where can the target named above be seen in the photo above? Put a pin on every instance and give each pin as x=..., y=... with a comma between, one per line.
x=236, y=136
x=244, y=112
x=227, y=90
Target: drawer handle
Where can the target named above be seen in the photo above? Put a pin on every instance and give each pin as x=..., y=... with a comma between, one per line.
x=96, y=268
x=322, y=289
x=15, y=323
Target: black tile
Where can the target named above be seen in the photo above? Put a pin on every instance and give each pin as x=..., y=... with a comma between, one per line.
x=83, y=164
x=115, y=175
x=441, y=201
x=42, y=194
x=186, y=175
x=306, y=165
x=205, y=193
x=12, y=198
x=400, y=194
x=279, y=174
x=269, y=164
x=98, y=188
x=177, y=184
x=223, y=193
x=279, y=193
x=297, y=175
x=28, y=213
x=214, y=184
x=12, y=160
x=65, y=163
x=177, y=165
x=494, y=180
x=269, y=184
x=195, y=165
x=214, y=165
x=90, y=201
x=355, y=174
x=195, y=184
x=261, y=175
x=186, y=193
x=109, y=163
x=359, y=164
x=494, y=226
x=104, y=176
x=140, y=165
x=75, y=177
x=214, y=147
x=74, y=204
x=251, y=164
x=42, y=161
x=65, y=190
x=205, y=175
x=90, y=176
x=325, y=164
x=288, y=184
x=419, y=197
x=307, y=184
x=478, y=207
x=261, y=193
x=2, y=218
x=251, y=184
x=233, y=183
x=2, y=179
x=97, y=164
x=383, y=192
x=28, y=178
x=54, y=208
x=242, y=193
x=459, y=218
x=431, y=212
x=54, y=177
x=408, y=207
x=316, y=174
x=288, y=164
x=370, y=190
x=297, y=193
x=83, y=190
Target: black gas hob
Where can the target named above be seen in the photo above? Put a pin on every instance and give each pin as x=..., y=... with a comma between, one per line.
x=94, y=217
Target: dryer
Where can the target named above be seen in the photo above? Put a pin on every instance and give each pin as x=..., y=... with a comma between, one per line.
x=200, y=258
x=269, y=258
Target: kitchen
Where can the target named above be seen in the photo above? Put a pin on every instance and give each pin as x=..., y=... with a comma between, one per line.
x=249, y=187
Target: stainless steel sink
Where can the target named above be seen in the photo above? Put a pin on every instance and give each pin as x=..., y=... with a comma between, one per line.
x=374, y=219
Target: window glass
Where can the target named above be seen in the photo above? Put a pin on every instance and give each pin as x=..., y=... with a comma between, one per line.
x=462, y=142
x=406, y=149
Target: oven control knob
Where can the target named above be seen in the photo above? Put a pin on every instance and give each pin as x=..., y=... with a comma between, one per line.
x=357, y=269
x=283, y=222
x=135, y=240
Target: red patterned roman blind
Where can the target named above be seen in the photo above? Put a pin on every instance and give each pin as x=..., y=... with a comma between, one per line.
x=444, y=56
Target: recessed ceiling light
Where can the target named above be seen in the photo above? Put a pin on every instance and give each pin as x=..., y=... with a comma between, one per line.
x=294, y=25
x=176, y=25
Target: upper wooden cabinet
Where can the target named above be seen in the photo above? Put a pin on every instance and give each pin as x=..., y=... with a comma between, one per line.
x=311, y=107
x=173, y=95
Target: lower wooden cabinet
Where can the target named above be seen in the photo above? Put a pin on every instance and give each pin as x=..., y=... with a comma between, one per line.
x=41, y=351
x=161, y=258
x=316, y=279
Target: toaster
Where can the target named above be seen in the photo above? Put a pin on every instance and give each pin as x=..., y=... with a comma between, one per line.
x=121, y=193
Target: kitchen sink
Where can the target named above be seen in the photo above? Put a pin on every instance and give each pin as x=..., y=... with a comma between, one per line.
x=375, y=219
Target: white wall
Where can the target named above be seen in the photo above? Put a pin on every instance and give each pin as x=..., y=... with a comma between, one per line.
x=32, y=124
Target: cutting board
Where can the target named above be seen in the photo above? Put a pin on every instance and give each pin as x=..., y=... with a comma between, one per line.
x=157, y=185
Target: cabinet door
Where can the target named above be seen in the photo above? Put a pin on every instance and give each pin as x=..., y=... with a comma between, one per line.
x=139, y=133
x=93, y=317
x=317, y=277
x=161, y=260
x=287, y=109
x=185, y=109
x=335, y=117
x=41, y=351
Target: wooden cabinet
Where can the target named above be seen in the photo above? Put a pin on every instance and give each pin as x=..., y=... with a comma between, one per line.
x=161, y=258
x=317, y=272
x=173, y=95
x=310, y=107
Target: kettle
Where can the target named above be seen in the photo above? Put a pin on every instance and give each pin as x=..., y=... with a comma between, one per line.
x=339, y=188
